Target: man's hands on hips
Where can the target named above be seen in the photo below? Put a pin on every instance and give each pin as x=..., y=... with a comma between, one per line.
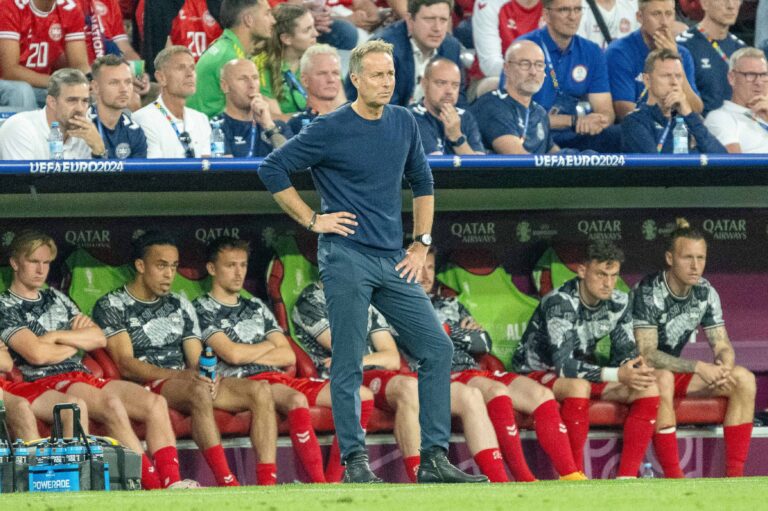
x=414, y=260
x=336, y=223
x=636, y=375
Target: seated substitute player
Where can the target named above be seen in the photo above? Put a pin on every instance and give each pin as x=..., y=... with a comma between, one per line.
x=397, y=392
x=649, y=129
x=558, y=350
x=741, y=124
x=154, y=338
x=249, y=130
x=250, y=344
x=668, y=307
x=444, y=128
x=500, y=388
x=510, y=121
x=47, y=336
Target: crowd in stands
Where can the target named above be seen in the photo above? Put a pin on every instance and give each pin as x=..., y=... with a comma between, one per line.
x=600, y=75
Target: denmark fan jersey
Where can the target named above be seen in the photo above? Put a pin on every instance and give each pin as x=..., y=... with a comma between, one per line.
x=621, y=20
x=563, y=333
x=158, y=329
x=42, y=36
x=675, y=317
x=193, y=27
x=248, y=322
x=310, y=317
x=451, y=313
x=103, y=27
x=51, y=311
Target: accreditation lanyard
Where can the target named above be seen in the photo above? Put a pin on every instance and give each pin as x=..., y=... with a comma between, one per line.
x=294, y=85
x=551, y=67
x=664, y=135
x=715, y=45
x=107, y=140
x=252, y=143
x=759, y=121
x=185, y=146
x=525, y=127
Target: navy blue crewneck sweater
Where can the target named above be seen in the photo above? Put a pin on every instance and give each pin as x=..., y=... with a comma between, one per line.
x=358, y=166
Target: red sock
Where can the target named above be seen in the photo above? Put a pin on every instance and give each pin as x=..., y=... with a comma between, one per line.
x=167, y=461
x=412, y=466
x=575, y=414
x=305, y=443
x=736, y=448
x=149, y=478
x=553, y=437
x=490, y=463
x=665, y=447
x=218, y=463
x=266, y=474
x=502, y=417
x=638, y=430
x=334, y=470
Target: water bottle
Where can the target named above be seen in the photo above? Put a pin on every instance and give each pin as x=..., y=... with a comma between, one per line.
x=646, y=472
x=20, y=453
x=217, y=140
x=56, y=142
x=208, y=364
x=680, y=137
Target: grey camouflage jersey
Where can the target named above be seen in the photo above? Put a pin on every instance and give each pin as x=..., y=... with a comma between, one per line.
x=466, y=343
x=52, y=311
x=563, y=333
x=675, y=318
x=310, y=317
x=248, y=322
x=158, y=329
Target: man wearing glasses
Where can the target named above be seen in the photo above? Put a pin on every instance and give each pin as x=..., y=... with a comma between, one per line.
x=172, y=129
x=510, y=121
x=575, y=92
x=741, y=124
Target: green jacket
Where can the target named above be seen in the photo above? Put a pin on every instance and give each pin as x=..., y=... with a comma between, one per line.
x=293, y=100
x=208, y=97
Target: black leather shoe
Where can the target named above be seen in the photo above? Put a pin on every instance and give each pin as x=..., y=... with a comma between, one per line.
x=357, y=469
x=435, y=468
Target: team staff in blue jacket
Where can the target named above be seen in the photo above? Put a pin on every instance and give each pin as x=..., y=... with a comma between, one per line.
x=416, y=40
x=649, y=129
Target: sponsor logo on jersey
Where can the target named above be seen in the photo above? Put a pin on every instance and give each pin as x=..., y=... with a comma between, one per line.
x=600, y=229
x=705, y=64
x=475, y=232
x=725, y=229
x=207, y=235
x=548, y=378
x=55, y=32
x=89, y=238
x=481, y=6
x=579, y=73
x=375, y=385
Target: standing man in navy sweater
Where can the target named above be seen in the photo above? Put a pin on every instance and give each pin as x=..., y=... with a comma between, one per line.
x=358, y=156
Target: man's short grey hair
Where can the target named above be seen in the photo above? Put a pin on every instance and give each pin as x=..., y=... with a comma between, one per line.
x=748, y=52
x=66, y=76
x=164, y=56
x=356, y=57
x=316, y=49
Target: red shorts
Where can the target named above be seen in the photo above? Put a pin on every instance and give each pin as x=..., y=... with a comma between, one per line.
x=156, y=386
x=62, y=382
x=26, y=390
x=377, y=380
x=548, y=379
x=499, y=376
x=682, y=380
x=310, y=387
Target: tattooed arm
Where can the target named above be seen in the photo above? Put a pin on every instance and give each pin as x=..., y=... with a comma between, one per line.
x=721, y=346
x=648, y=343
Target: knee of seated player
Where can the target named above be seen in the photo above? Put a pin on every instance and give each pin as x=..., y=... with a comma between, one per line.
x=467, y=399
x=198, y=395
x=296, y=400
x=572, y=387
x=112, y=407
x=365, y=393
x=154, y=405
x=650, y=391
x=494, y=390
x=404, y=390
x=665, y=380
x=260, y=395
x=745, y=381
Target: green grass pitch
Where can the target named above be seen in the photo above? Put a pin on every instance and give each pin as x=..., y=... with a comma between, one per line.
x=748, y=494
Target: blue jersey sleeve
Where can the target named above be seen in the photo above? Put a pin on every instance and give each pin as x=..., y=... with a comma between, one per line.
x=599, y=82
x=620, y=75
x=637, y=135
x=472, y=131
x=417, y=170
x=689, y=67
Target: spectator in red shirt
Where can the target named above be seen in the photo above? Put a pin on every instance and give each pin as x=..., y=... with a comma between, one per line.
x=193, y=26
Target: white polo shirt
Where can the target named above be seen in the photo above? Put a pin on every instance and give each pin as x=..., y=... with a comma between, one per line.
x=621, y=21
x=162, y=140
x=24, y=136
x=420, y=61
x=732, y=124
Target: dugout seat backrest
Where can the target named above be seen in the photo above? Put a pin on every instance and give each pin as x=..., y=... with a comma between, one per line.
x=304, y=368
x=6, y=276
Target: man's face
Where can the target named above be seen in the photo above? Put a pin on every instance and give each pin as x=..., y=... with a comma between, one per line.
x=31, y=271
x=442, y=86
x=655, y=16
x=687, y=261
x=323, y=77
x=749, y=79
x=598, y=279
x=158, y=268
x=178, y=75
x=563, y=17
x=72, y=102
x=722, y=12
x=261, y=20
x=667, y=76
x=230, y=269
x=427, y=279
x=304, y=34
x=240, y=83
x=430, y=25
x=525, y=82
x=376, y=81
x=114, y=86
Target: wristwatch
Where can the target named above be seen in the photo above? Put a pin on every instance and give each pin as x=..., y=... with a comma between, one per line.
x=459, y=141
x=424, y=239
x=272, y=131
